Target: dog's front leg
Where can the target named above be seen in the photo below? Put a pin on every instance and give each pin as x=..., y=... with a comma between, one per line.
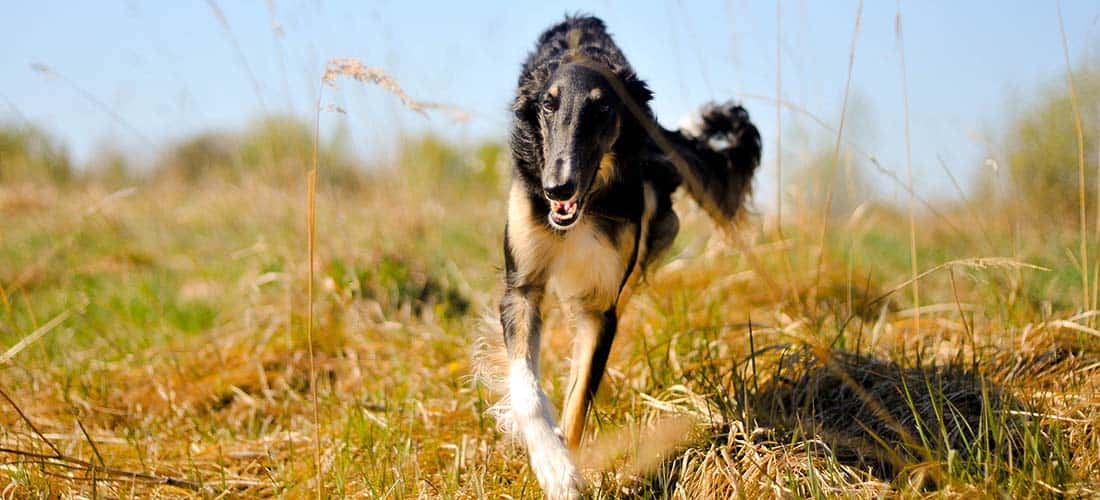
x=522, y=321
x=594, y=330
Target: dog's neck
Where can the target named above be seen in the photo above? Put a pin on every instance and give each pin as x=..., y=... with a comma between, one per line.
x=618, y=189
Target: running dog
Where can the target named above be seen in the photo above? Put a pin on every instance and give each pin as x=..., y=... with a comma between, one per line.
x=589, y=210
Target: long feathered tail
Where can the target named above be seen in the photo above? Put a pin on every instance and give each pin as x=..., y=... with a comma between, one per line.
x=716, y=159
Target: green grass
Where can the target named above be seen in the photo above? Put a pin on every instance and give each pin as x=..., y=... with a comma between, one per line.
x=183, y=352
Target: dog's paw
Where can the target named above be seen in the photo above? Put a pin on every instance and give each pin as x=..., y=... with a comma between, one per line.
x=551, y=460
x=556, y=472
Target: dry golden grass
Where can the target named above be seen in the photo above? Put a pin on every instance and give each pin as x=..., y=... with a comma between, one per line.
x=238, y=334
x=181, y=353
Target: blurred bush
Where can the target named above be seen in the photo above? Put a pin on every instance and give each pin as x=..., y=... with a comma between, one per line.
x=1041, y=148
x=439, y=165
x=277, y=149
x=819, y=170
x=28, y=154
x=819, y=167
x=199, y=156
x=109, y=167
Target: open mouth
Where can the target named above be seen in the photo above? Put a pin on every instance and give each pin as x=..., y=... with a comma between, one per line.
x=563, y=214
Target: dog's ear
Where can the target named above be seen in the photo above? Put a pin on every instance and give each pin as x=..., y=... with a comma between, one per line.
x=635, y=87
x=529, y=93
x=526, y=140
x=526, y=97
x=633, y=133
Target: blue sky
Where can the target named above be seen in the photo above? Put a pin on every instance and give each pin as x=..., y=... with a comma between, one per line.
x=168, y=69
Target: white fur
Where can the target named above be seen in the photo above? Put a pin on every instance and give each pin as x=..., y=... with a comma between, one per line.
x=489, y=363
x=530, y=243
x=582, y=267
x=691, y=124
x=586, y=267
x=582, y=264
x=532, y=413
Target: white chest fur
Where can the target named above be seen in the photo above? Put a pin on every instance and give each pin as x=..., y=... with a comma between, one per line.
x=587, y=268
x=580, y=265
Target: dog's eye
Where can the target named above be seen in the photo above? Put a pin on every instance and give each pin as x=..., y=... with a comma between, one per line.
x=549, y=105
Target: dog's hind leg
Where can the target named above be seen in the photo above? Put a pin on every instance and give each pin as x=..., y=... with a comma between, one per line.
x=594, y=332
x=533, y=414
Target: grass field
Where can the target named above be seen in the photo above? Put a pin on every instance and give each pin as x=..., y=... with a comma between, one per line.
x=154, y=343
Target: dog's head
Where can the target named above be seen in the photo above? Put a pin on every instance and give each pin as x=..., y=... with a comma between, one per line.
x=580, y=117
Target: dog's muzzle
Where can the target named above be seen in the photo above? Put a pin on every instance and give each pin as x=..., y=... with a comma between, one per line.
x=564, y=214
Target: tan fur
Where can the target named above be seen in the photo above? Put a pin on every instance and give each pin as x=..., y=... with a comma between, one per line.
x=529, y=242
x=581, y=265
x=521, y=347
x=643, y=252
x=585, y=270
x=607, y=172
x=586, y=329
x=588, y=269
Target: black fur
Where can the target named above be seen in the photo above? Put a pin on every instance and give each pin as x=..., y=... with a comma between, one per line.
x=722, y=157
x=719, y=161
x=579, y=104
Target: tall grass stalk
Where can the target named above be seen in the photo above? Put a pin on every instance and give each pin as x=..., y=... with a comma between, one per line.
x=909, y=172
x=1080, y=137
x=311, y=234
x=779, y=118
x=96, y=101
x=788, y=268
x=825, y=213
x=241, y=59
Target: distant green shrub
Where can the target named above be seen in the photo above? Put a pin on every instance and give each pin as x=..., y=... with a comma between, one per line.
x=29, y=154
x=110, y=167
x=1041, y=147
x=819, y=171
x=199, y=156
x=284, y=145
x=434, y=162
x=277, y=149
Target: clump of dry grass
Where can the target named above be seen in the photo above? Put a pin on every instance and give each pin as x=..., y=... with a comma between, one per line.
x=862, y=403
x=362, y=73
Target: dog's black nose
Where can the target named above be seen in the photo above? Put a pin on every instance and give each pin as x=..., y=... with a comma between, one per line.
x=560, y=192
